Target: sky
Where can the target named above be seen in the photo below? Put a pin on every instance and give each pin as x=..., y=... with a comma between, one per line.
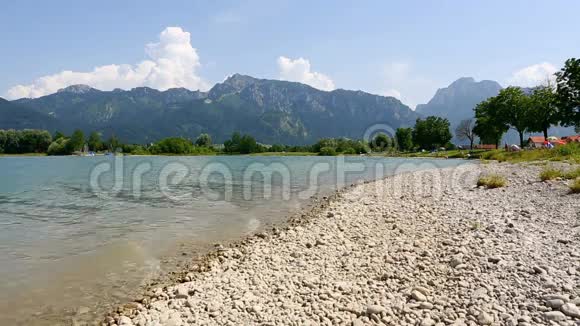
x=406, y=49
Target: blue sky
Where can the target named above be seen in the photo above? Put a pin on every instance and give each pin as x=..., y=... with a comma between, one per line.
x=406, y=48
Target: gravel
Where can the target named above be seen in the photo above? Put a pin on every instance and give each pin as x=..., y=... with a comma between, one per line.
x=423, y=248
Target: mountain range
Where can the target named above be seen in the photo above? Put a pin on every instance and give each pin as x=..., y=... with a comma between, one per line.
x=272, y=111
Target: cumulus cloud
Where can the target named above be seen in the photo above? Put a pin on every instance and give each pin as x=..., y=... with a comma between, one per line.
x=533, y=75
x=299, y=70
x=172, y=62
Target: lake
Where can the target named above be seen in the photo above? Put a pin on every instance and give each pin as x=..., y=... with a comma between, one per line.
x=81, y=234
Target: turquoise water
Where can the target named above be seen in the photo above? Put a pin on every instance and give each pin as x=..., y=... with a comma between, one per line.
x=86, y=231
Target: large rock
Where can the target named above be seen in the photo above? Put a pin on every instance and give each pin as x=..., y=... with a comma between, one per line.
x=484, y=318
x=374, y=309
x=554, y=316
x=418, y=296
x=570, y=309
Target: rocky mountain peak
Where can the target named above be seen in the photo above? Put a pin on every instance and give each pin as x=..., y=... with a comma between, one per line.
x=77, y=89
x=457, y=101
x=239, y=78
x=462, y=81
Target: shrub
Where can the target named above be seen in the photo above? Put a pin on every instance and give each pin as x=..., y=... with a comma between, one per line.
x=349, y=151
x=574, y=174
x=575, y=186
x=58, y=147
x=204, y=140
x=476, y=225
x=327, y=151
x=173, y=145
x=550, y=174
x=492, y=181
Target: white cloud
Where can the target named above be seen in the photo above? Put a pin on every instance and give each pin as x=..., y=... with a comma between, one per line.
x=400, y=82
x=393, y=93
x=533, y=75
x=172, y=62
x=299, y=70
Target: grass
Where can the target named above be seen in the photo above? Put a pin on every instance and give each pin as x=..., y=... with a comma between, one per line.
x=454, y=153
x=569, y=152
x=25, y=154
x=284, y=154
x=551, y=174
x=492, y=181
x=575, y=186
x=574, y=174
x=476, y=225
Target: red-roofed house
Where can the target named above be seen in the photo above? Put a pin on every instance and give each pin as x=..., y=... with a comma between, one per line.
x=536, y=141
x=570, y=139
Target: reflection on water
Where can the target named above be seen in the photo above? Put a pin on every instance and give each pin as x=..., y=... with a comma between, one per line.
x=65, y=244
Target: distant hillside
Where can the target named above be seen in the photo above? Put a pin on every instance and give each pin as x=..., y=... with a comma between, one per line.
x=457, y=101
x=14, y=116
x=271, y=110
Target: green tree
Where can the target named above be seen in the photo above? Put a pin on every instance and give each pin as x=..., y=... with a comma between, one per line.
x=277, y=148
x=2, y=140
x=24, y=141
x=248, y=145
x=404, y=138
x=339, y=145
x=114, y=144
x=245, y=144
x=488, y=125
x=568, y=91
x=76, y=142
x=12, y=144
x=58, y=147
x=204, y=140
x=327, y=151
x=380, y=143
x=514, y=109
x=95, y=143
x=35, y=141
x=325, y=142
x=58, y=135
x=173, y=145
x=432, y=132
x=232, y=145
x=544, y=110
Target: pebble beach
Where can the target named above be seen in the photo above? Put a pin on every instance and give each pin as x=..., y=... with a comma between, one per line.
x=423, y=248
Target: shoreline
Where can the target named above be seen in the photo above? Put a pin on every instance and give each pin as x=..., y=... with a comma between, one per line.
x=264, y=279
x=211, y=253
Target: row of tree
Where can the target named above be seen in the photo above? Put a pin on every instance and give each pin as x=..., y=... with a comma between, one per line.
x=24, y=141
x=181, y=146
x=525, y=112
x=429, y=133
x=246, y=144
